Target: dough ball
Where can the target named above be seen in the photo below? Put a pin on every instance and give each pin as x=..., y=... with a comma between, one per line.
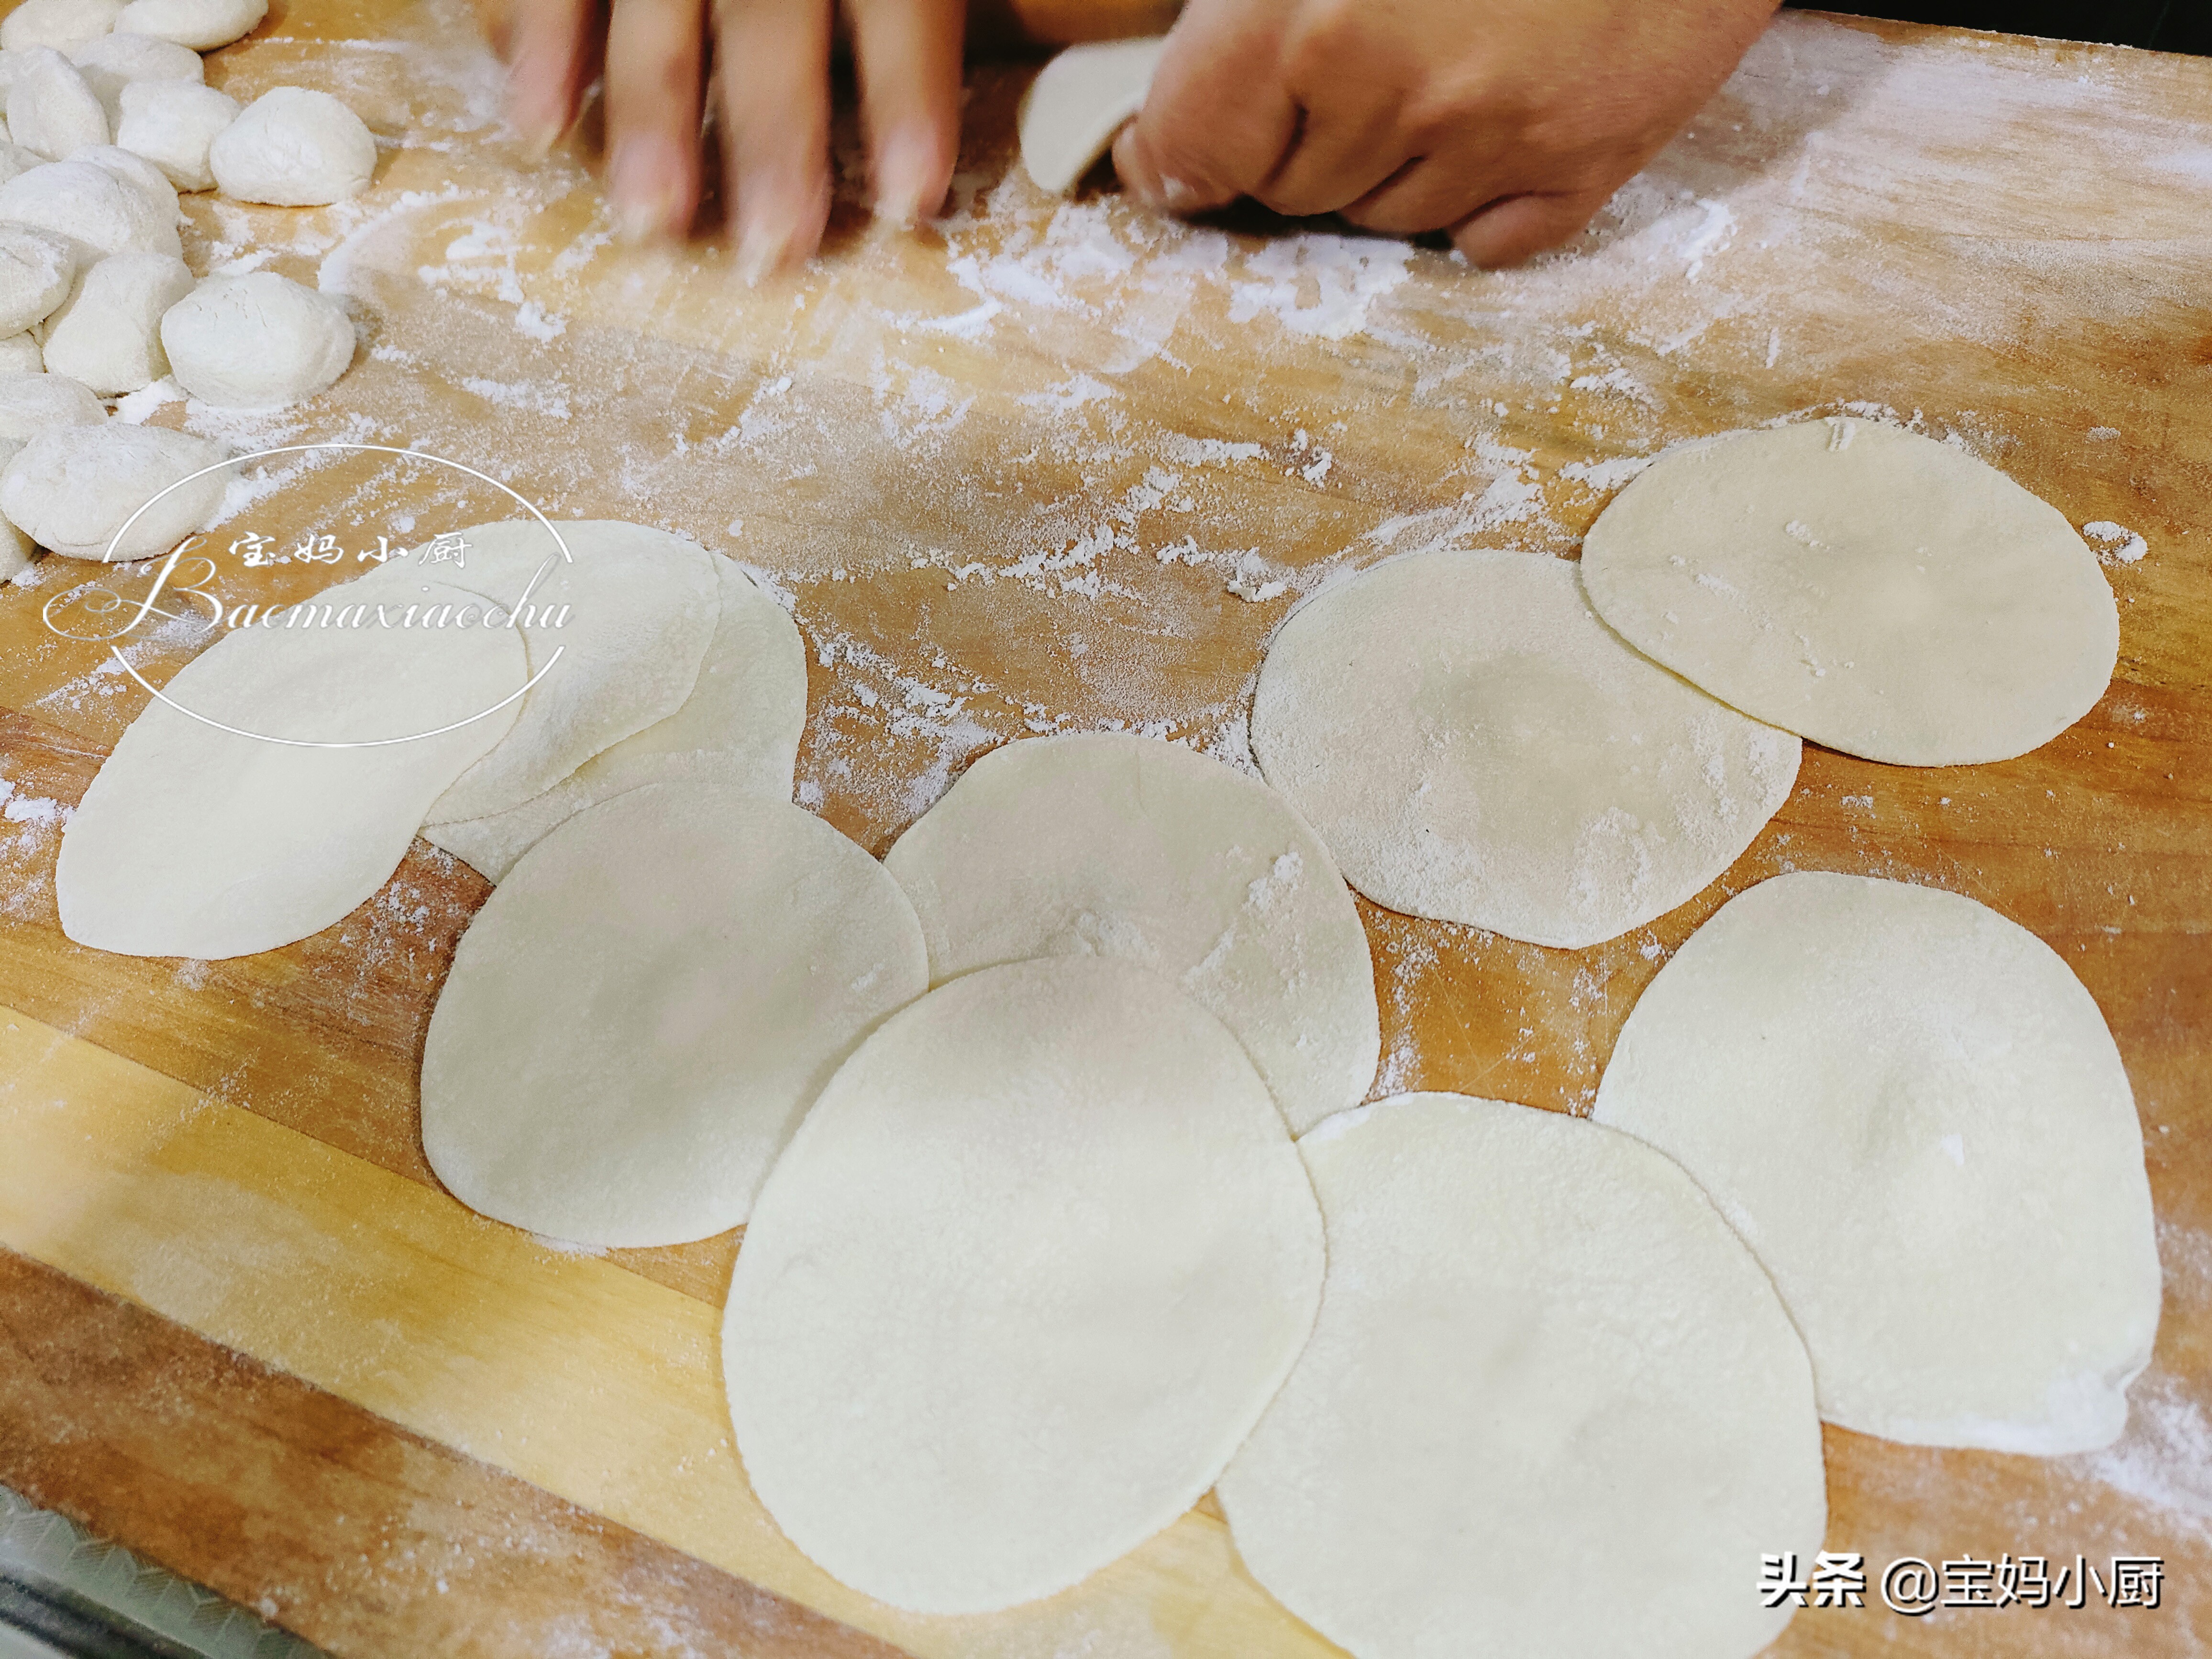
x=15, y=160
x=1539, y=1348
x=116, y=61
x=198, y=841
x=741, y=724
x=35, y=402
x=641, y=607
x=1101, y=844
x=640, y=1015
x=1475, y=746
x=91, y=208
x=259, y=341
x=135, y=171
x=108, y=333
x=71, y=489
x=50, y=111
x=1862, y=585
x=202, y=25
x=37, y=270
x=1024, y=1279
x=15, y=548
x=1078, y=102
x=20, y=354
x=59, y=25
x=294, y=147
x=171, y=123
x=1913, y=1113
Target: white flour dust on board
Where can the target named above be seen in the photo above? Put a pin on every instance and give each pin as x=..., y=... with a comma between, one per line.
x=2115, y=544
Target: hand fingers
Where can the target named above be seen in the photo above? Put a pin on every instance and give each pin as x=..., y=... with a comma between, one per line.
x=655, y=50
x=1219, y=120
x=1354, y=137
x=906, y=53
x=773, y=67
x=1507, y=232
x=550, y=47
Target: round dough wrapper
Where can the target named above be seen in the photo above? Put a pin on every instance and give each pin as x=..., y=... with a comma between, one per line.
x=1862, y=585
x=19, y=357
x=641, y=608
x=194, y=842
x=1475, y=746
x=1079, y=101
x=1914, y=1114
x=1100, y=844
x=742, y=722
x=640, y=1015
x=1019, y=1287
x=1539, y=1348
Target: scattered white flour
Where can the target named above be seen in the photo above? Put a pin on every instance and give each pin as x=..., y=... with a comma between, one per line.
x=2115, y=543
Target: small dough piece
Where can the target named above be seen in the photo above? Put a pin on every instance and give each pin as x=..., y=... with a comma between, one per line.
x=108, y=335
x=20, y=354
x=1024, y=1279
x=36, y=403
x=1474, y=746
x=1862, y=585
x=1077, y=104
x=742, y=723
x=258, y=341
x=15, y=548
x=1914, y=1114
x=116, y=61
x=171, y=123
x=90, y=208
x=194, y=842
x=1101, y=844
x=50, y=111
x=72, y=489
x=641, y=607
x=16, y=160
x=294, y=147
x=641, y=1015
x=37, y=270
x=59, y=25
x=139, y=173
x=1539, y=1348
x=202, y=25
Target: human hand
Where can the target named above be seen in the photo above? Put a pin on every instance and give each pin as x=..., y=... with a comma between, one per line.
x=771, y=71
x=1508, y=122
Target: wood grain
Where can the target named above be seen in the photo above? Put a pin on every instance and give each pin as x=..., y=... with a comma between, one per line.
x=1058, y=467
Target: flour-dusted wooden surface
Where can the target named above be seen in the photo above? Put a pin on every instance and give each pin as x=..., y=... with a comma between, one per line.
x=1045, y=467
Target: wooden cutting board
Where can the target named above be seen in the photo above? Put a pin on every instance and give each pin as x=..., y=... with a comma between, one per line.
x=1046, y=467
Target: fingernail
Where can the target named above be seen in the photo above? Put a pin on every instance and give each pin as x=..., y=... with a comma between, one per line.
x=770, y=217
x=905, y=168
x=645, y=180
x=530, y=108
x=1175, y=195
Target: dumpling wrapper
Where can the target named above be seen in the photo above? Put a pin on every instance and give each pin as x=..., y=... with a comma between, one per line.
x=197, y=842
x=1077, y=104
